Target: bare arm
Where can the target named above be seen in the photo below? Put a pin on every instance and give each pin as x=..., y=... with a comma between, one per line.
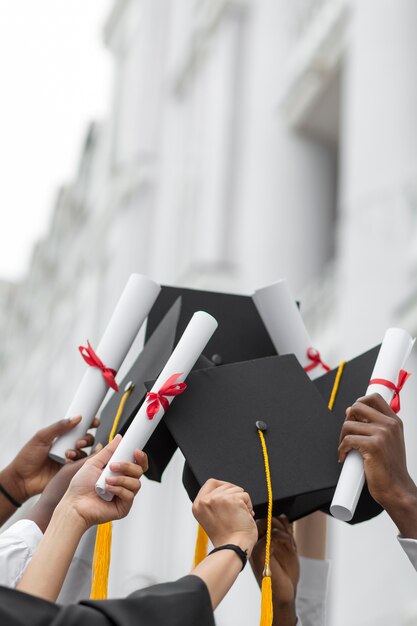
x=226, y=514
x=79, y=509
x=372, y=428
x=310, y=536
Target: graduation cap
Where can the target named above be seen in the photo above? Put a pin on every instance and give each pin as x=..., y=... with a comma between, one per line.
x=354, y=380
x=241, y=334
x=214, y=424
x=147, y=367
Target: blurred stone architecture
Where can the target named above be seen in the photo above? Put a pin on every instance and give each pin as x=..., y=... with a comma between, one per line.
x=248, y=140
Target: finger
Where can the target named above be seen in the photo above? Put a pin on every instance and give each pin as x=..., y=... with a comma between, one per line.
x=230, y=489
x=210, y=485
x=358, y=428
x=48, y=434
x=95, y=423
x=141, y=459
x=73, y=455
x=262, y=525
x=247, y=500
x=127, y=469
x=131, y=484
x=362, y=443
x=377, y=402
x=124, y=494
x=280, y=541
x=103, y=457
x=85, y=442
x=360, y=412
x=285, y=521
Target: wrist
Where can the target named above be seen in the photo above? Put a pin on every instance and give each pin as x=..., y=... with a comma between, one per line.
x=13, y=483
x=284, y=613
x=66, y=513
x=402, y=508
x=239, y=539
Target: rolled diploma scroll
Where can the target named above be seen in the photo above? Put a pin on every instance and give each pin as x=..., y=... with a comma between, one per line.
x=190, y=346
x=131, y=310
x=284, y=323
x=393, y=354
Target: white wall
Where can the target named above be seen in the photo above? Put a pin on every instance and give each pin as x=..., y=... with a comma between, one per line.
x=197, y=178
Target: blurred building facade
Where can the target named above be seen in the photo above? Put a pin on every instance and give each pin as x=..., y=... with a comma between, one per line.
x=247, y=141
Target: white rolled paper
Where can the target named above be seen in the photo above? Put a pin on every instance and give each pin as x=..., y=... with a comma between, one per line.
x=284, y=323
x=193, y=341
x=131, y=311
x=393, y=354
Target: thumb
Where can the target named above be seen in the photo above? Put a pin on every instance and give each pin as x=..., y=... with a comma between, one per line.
x=101, y=458
x=48, y=434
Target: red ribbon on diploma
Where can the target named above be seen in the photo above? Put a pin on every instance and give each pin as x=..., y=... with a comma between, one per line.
x=315, y=358
x=169, y=388
x=402, y=379
x=91, y=358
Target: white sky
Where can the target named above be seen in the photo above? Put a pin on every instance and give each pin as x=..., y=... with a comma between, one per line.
x=55, y=76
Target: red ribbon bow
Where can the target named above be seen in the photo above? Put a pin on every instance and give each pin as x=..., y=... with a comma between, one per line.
x=315, y=358
x=169, y=388
x=91, y=358
x=402, y=379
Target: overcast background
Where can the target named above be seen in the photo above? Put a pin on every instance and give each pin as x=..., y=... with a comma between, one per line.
x=54, y=78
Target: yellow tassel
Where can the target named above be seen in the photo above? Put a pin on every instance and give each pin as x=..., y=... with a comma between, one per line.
x=267, y=611
x=102, y=547
x=201, y=545
x=336, y=385
x=101, y=562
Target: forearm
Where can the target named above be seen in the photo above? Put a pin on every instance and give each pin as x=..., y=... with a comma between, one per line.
x=310, y=536
x=13, y=485
x=41, y=513
x=219, y=571
x=285, y=613
x=46, y=572
x=402, y=509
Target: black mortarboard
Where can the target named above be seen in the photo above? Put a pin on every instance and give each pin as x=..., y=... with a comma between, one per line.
x=353, y=384
x=148, y=365
x=241, y=334
x=214, y=425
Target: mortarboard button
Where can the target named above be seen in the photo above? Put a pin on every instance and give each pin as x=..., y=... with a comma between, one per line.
x=217, y=359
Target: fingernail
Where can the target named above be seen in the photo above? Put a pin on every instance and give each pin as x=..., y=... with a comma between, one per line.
x=70, y=454
x=82, y=443
x=111, y=480
x=75, y=420
x=98, y=447
x=115, y=467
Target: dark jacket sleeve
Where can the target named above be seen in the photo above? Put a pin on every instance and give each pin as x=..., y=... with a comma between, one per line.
x=185, y=602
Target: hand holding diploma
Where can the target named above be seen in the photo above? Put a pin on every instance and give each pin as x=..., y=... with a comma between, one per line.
x=386, y=380
x=78, y=510
x=375, y=431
